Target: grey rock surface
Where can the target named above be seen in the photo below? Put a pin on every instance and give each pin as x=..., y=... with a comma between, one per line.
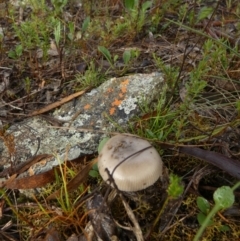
x=85, y=119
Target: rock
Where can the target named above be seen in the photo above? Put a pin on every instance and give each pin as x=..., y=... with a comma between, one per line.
x=85, y=121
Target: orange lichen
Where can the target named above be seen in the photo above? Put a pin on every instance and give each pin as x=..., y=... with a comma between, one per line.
x=33, y=168
x=109, y=90
x=87, y=106
x=124, y=85
x=121, y=94
x=117, y=102
x=112, y=111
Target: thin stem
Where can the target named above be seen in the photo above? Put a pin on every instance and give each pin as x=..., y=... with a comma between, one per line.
x=236, y=186
x=200, y=231
x=157, y=218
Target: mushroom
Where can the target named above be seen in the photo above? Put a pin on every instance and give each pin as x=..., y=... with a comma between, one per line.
x=131, y=161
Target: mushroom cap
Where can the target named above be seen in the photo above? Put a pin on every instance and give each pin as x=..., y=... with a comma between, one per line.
x=136, y=172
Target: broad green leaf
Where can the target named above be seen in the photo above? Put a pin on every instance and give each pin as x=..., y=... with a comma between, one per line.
x=115, y=58
x=57, y=33
x=146, y=5
x=71, y=30
x=16, y=53
x=129, y=4
x=126, y=56
x=19, y=50
x=95, y=167
x=12, y=54
x=224, y=228
x=150, y=133
x=224, y=197
x=160, y=136
x=204, y=12
x=106, y=53
x=203, y=205
x=201, y=218
x=85, y=24
x=102, y=143
x=93, y=173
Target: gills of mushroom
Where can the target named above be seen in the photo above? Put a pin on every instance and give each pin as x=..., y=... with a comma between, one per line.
x=131, y=161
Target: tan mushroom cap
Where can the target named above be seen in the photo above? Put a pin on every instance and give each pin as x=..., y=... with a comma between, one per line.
x=137, y=172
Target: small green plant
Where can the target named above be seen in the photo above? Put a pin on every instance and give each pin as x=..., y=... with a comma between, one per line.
x=175, y=188
x=134, y=19
x=102, y=143
x=91, y=77
x=57, y=32
x=105, y=52
x=204, y=13
x=128, y=57
x=40, y=26
x=71, y=33
x=94, y=171
x=27, y=82
x=129, y=4
x=138, y=13
x=85, y=24
x=16, y=53
x=223, y=198
x=59, y=5
x=36, y=6
x=204, y=207
x=32, y=34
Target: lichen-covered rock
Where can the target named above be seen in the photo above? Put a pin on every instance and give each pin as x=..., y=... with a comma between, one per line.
x=85, y=120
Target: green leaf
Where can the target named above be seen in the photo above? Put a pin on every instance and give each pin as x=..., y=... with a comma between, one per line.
x=204, y=12
x=150, y=133
x=85, y=24
x=102, y=143
x=224, y=228
x=203, y=205
x=93, y=173
x=224, y=197
x=19, y=50
x=115, y=58
x=146, y=5
x=12, y=54
x=71, y=30
x=126, y=56
x=59, y=4
x=238, y=106
x=57, y=33
x=95, y=167
x=16, y=53
x=160, y=136
x=106, y=53
x=129, y=4
x=201, y=218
